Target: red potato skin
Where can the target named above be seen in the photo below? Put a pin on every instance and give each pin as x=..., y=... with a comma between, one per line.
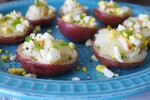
x=108, y=19
x=75, y=33
x=43, y=69
x=43, y=22
x=15, y=39
x=115, y=64
x=148, y=44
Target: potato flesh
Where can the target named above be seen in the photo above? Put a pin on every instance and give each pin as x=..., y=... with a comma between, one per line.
x=106, y=47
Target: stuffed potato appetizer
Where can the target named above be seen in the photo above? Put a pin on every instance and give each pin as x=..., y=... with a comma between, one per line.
x=77, y=29
x=40, y=13
x=73, y=8
x=120, y=48
x=45, y=56
x=140, y=24
x=110, y=13
x=14, y=28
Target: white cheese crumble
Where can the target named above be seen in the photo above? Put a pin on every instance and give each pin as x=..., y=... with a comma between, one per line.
x=12, y=58
x=29, y=75
x=88, y=43
x=75, y=79
x=135, y=41
x=121, y=27
x=20, y=27
x=107, y=72
x=93, y=58
x=117, y=54
x=143, y=17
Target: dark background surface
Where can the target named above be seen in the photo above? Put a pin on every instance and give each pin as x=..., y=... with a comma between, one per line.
x=141, y=2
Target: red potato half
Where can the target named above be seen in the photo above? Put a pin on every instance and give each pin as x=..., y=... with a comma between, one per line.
x=43, y=22
x=43, y=69
x=109, y=19
x=13, y=39
x=75, y=33
x=111, y=63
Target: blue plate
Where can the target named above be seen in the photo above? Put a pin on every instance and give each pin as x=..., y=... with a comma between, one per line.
x=93, y=85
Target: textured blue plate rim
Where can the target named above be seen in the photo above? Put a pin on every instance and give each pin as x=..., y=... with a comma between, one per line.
x=107, y=87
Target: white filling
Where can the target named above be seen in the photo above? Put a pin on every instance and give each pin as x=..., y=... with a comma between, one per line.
x=73, y=8
x=121, y=27
x=117, y=54
x=119, y=10
x=134, y=53
x=135, y=41
x=1, y=16
x=20, y=27
x=26, y=23
x=53, y=55
x=143, y=17
x=123, y=42
x=36, y=13
x=82, y=19
x=14, y=14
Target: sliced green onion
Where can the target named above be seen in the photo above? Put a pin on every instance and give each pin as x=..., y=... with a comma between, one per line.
x=56, y=46
x=37, y=3
x=82, y=16
x=128, y=32
x=111, y=12
x=123, y=55
x=63, y=43
x=37, y=47
x=149, y=18
x=109, y=27
x=116, y=5
x=28, y=38
x=15, y=22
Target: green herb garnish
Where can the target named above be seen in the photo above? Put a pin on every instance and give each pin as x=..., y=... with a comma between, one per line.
x=109, y=27
x=15, y=22
x=63, y=43
x=82, y=16
x=37, y=3
x=111, y=12
x=116, y=5
x=56, y=46
x=28, y=38
x=148, y=18
x=98, y=47
x=123, y=55
x=37, y=47
x=128, y=32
